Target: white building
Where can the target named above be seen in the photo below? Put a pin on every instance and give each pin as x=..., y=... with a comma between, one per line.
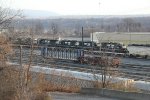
x=124, y=37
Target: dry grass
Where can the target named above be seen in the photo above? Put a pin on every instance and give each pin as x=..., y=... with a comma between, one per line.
x=8, y=86
x=5, y=50
x=121, y=86
x=12, y=84
x=37, y=88
x=63, y=84
x=11, y=89
x=13, y=80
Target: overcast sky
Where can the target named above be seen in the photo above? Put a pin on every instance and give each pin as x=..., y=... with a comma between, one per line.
x=86, y=7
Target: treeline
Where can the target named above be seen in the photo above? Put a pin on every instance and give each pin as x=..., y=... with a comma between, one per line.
x=72, y=26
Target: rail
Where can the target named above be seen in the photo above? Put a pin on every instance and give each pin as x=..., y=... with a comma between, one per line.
x=67, y=60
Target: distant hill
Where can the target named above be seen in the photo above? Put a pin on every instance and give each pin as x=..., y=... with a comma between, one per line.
x=48, y=14
x=98, y=16
x=38, y=14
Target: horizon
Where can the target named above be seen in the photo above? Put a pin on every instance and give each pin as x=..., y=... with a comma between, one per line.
x=85, y=7
x=40, y=14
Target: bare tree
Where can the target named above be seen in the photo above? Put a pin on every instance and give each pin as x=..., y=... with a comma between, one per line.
x=7, y=15
x=54, y=28
x=129, y=25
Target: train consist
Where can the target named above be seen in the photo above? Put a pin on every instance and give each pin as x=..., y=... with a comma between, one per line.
x=86, y=45
x=86, y=51
x=83, y=51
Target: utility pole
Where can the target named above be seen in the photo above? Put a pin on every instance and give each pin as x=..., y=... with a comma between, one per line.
x=92, y=38
x=129, y=31
x=21, y=69
x=82, y=36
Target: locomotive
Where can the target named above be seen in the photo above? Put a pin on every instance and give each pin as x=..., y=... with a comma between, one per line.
x=85, y=45
x=114, y=47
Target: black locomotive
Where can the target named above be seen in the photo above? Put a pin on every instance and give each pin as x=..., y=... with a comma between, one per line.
x=86, y=45
x=114, y=47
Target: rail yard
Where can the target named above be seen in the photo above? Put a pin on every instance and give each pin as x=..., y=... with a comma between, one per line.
x=133, y=68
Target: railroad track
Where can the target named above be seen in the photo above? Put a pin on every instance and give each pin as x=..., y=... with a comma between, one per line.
x=132, y=71
x=136, y=72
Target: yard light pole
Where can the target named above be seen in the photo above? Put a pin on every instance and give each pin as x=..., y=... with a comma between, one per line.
x=92, y=38
x=82, y=36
